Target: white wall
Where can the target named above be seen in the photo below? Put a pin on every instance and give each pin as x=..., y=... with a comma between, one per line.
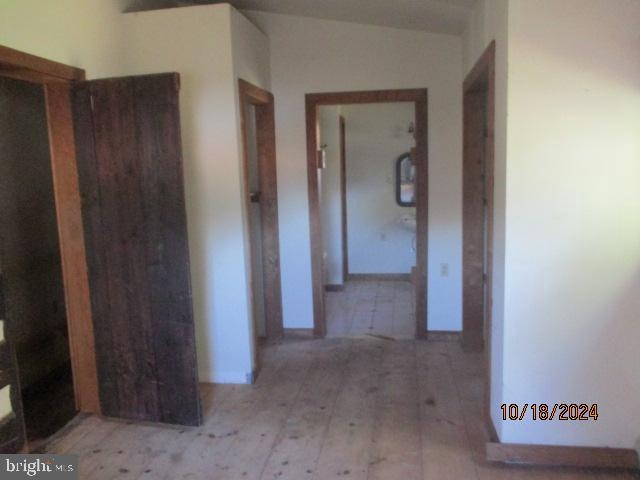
x=309, y=55
x=376, y=135
x=82, y=33
x=330, y=191
x=572, y=278
x=567, y=250
x=200, y=43
x=210, y=46
x=489, y=23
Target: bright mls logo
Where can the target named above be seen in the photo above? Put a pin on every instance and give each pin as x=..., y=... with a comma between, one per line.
x=52, y=467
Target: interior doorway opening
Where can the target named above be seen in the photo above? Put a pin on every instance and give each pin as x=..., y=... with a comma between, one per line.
x=368, y=209
x=478, y=213
x=33, y=290
x=261, y=214
x=352, y=250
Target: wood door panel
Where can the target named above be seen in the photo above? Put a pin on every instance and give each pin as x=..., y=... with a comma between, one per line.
x=130, y=170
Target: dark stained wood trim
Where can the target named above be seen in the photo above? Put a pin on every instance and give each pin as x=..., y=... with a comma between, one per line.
x=72, y=246
x=21, y=65
x=562, y=456
x=263, y=102
x=422, y=213
x=477, y=76
x=367, y=96
x=480, y=83
x=444, y=336
x=299, y=333
x=331, y=287
x=380, y=277
x=343, y=199
x=314, y=100
x=254, y=95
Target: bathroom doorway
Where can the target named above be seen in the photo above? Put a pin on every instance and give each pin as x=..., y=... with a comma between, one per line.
x=367, y=168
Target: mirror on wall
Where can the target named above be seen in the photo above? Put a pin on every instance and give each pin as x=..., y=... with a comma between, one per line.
x=405, y=181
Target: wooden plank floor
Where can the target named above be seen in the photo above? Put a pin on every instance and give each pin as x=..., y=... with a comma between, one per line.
x=339, y=408
x=370, y=307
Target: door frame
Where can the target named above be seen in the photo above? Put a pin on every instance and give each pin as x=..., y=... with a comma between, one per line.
x=419, y=97
x=56, y=79
x=479, y=89
x=343, y=198
x=263, y=101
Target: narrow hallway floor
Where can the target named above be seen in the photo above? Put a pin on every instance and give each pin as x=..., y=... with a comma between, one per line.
x=348, y=409
x=367, y=307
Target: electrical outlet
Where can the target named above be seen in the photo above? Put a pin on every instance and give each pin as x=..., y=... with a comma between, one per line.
x=444, y=269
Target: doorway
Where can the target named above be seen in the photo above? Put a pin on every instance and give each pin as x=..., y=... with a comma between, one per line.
x=477, y=212
x=416, y=158
x=150, y=340
x=261, y=213
x=35, y=309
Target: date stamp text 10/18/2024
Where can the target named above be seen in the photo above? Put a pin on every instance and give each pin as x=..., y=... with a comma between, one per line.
x=548, y=412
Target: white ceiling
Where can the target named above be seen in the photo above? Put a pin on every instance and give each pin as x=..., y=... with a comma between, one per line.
x=439, y=16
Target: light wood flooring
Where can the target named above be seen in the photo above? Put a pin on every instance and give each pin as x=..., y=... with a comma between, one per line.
x=384, y=308
x=348, y=409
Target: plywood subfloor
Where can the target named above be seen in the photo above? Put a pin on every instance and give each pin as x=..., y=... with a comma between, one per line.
x=348, y=409
x=368, y=307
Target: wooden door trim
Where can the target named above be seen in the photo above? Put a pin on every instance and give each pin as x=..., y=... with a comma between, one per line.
x=24, y=66
x=562, y=456
x=481, y=81
x=72, y=246
x=263, y=101
x=56, y=79
x=343, y=199
x=419, y=97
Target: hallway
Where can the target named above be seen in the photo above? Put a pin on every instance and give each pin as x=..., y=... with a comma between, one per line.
x=369, y=307
x=321, y=409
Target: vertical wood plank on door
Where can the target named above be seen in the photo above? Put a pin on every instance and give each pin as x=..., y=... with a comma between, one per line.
x=130, y=169
x=127, y=322
x=166, y=245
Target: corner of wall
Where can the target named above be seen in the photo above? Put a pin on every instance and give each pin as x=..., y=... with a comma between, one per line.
x=489, y=22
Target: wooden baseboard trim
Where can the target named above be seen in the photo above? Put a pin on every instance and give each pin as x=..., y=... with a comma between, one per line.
x=492, y=433
x=334, y=287
x=442, y=336
x=562, y=456
x=381, y=277
x=298, y=332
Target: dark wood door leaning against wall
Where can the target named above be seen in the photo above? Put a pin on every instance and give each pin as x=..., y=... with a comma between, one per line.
x=128, y=148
